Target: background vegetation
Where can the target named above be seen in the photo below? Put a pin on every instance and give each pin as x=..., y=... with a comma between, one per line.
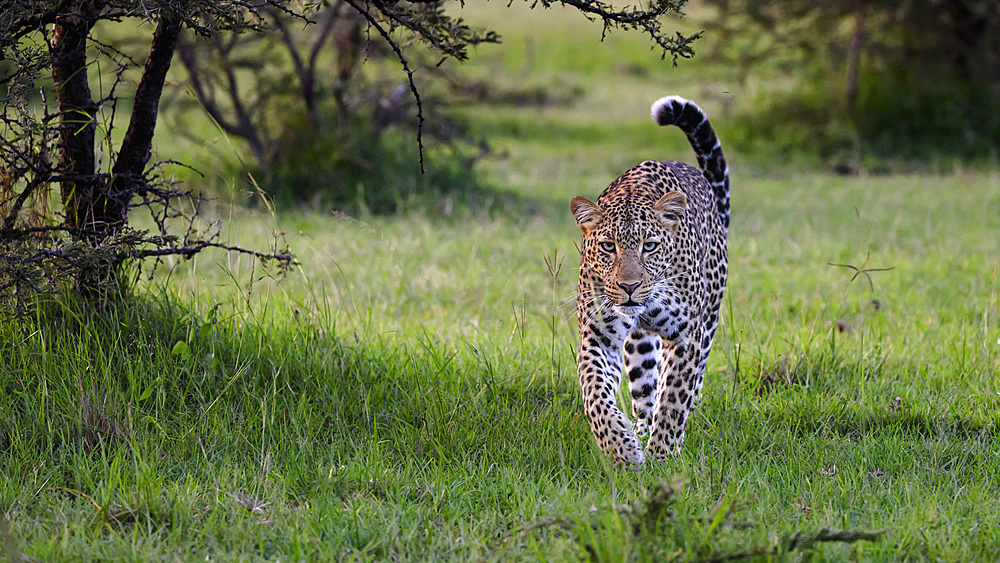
x=863, y=85
x=407, y=392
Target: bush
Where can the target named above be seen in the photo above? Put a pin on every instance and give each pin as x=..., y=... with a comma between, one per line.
x=364, y=169
x=883, y=131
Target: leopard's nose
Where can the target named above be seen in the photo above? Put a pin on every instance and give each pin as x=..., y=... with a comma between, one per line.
x=629, y=287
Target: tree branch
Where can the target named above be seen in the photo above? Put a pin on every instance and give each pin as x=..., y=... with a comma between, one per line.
x=245, y=127
x=185, y=51
x=323, y=35
x=195, y=247
x=15, y=210
x=286, y=38
x=206, y=98
x=606, y=13
x=406, y=68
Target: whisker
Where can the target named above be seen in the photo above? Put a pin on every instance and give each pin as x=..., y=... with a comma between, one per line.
x=581, y=308
x=588, y=299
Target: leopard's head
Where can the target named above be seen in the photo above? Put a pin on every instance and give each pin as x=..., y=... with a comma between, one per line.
x=628, y=245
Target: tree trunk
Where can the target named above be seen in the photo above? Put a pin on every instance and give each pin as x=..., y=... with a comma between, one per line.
x=134, y=152
x=854, y=53
x=967, y=26
x=96, y=207
x=85, y=209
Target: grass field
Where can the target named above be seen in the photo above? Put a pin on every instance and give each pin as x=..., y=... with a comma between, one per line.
x=408, y=392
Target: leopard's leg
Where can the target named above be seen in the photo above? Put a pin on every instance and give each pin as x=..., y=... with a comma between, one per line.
x=716, y=286
x=710, y=321
x=680, y=382
x=599, y=364
x=705, y=349
x=641, y=351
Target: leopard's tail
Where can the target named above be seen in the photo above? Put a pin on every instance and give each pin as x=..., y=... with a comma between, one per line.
x=675, y=110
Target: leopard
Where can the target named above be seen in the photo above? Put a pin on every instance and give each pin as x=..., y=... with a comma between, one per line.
x=653, y=265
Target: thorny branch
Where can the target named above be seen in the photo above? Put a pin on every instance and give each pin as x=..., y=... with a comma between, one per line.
x=646, y=19
x=42, y=149
x=373, y=21
x=801, y=540
x=656, y=511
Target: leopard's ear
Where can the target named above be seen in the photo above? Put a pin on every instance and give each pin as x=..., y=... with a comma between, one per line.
x=669, y=209
x=587, y=214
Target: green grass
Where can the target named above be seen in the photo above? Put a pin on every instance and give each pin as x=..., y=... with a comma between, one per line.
x=408, y=392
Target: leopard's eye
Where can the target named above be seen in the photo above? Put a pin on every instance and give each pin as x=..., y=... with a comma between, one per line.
x=608, y=246
x=650, y=246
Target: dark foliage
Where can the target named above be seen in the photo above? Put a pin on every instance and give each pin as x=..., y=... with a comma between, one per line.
x=872, y=82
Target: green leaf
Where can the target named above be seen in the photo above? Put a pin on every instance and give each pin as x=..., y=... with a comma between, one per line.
x=181, y=349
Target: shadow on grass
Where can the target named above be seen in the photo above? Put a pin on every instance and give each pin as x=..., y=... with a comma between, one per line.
x=263, y=415
x=205, y=385
x=450, y=191
x=826, y=392
x=152, y=370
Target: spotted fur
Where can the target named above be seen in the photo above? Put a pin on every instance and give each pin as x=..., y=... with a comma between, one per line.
x=652, y=274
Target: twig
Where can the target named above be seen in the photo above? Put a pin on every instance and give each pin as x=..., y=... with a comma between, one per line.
x=406, y=68
x=15, y=210
x=862, y=270
x=799, y=540
x=198, y=246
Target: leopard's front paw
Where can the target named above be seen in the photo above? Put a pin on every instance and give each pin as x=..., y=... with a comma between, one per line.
x=629, y=457
x=641, y=427
x=660, y=451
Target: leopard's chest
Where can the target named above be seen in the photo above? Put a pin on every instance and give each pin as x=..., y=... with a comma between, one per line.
x=669, y=312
